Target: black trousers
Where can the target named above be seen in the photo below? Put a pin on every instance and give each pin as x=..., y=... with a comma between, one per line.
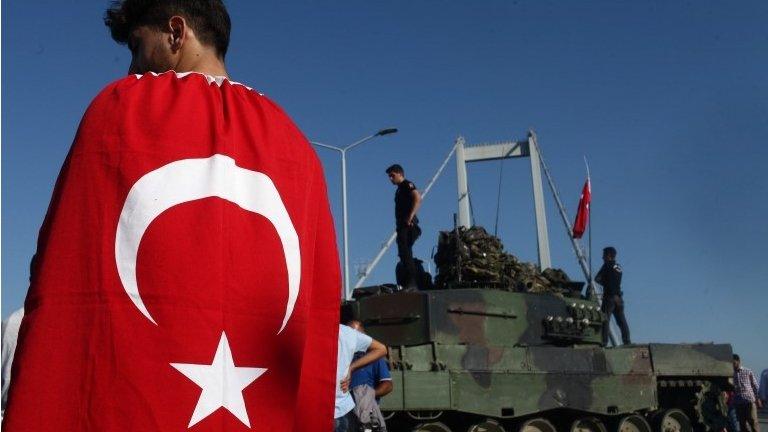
x=346, y=423
x=406, y=237
x=614, y=305
x=747, y=415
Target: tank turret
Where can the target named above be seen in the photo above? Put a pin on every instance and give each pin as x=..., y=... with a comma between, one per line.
x=457, y=316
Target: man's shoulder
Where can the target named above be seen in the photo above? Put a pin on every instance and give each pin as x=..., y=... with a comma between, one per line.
x=345, y=330
x=382, y=364
x=744, y=371
x=160, y=95
x=181, y=81
x=382, y=370
x=351, y=334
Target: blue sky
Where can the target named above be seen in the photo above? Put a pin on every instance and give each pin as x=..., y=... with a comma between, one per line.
x=668, y=100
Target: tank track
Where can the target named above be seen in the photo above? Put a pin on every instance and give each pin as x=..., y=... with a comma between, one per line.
x=700, y=401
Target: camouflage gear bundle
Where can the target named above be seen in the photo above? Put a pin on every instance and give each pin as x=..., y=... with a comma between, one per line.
x=471, y=257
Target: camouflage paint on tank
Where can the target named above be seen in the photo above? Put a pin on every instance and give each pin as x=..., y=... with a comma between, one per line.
x=692, y=359
x=504, y=354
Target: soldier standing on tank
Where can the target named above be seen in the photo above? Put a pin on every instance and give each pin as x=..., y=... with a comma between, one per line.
x=609, y=277
x=407, y=203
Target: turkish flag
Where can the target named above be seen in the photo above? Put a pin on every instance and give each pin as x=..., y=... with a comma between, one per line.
x=187, y=276
x=582, y=215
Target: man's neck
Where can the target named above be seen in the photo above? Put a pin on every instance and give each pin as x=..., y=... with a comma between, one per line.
x=204, y=62
x=212, y=71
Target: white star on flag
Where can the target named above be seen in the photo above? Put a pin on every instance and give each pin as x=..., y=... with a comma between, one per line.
x=222, y=384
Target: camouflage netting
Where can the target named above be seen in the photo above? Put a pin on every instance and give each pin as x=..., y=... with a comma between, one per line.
x=481, y=259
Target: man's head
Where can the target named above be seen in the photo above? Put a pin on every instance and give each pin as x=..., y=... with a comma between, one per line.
x=609, y=253
x=168, y=35
x=396, y=174
x=357, y=325
x=736, y=362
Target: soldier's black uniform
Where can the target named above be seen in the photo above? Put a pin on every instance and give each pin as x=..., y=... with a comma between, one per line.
x=406, y=234
x=609, y=277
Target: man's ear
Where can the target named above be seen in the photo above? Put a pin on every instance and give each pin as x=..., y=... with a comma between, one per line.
x=178, y=29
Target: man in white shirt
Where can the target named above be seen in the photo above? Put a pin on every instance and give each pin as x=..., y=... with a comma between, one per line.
x=351, y=341
x=10, y=335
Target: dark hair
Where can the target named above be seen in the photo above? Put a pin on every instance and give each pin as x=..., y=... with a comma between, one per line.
x=395, y=169
x=350, y=321
x=610, y=251
x=345, y=313
x=208, y=18
x=736, y=357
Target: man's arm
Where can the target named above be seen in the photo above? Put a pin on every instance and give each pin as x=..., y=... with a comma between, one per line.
x=753, y=383
x=376, y=351
x=383, y=388
x=599, y=276
x=383, y=378
x=416, y=204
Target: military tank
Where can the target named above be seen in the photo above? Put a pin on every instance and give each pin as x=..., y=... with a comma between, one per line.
x=512, y=350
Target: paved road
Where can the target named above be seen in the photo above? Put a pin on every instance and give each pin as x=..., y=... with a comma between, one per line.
x=762, y=415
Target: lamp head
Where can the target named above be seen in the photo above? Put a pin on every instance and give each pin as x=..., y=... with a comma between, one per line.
x=386, y=131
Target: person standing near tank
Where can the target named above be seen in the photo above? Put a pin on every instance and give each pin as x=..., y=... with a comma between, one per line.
x=407, y=203
x=350, y=342
x=609, y=277
x=368, y=385
x=745, y=396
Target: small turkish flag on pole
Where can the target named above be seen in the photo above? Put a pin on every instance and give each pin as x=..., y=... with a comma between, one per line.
x=186, y=276
x=582, y=215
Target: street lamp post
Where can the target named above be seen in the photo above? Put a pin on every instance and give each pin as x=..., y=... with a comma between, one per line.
x=343, y=151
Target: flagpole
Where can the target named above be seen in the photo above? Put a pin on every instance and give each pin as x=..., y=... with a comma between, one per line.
x=589, y=223
x=589, y=226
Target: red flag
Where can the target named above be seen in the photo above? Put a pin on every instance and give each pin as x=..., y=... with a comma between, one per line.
x=582, y=215
x=187, y=276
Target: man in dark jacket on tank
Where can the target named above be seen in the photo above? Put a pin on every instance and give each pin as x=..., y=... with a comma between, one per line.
x=609, y=277
x=407, y=203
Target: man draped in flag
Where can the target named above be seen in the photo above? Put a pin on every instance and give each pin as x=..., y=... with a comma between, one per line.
x=582, y=214
x=186, y=274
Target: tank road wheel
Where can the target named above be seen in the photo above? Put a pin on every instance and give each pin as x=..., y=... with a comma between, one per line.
x=673, y=420
x=486, y=426
x=633, y=423
x=431, y=427
x=588, y=424
x=538, y=424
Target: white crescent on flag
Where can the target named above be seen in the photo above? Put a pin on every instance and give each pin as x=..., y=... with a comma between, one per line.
x=193, y=179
